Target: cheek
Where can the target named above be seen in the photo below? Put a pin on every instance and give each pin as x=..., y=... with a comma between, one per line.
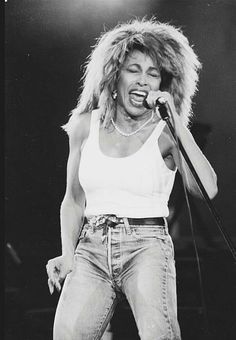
x=121, y=91
x=121, y=94
x=122, y=88
x=156, y=85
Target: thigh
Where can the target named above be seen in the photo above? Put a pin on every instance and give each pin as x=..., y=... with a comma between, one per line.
x=150, y=288
x=86, y=303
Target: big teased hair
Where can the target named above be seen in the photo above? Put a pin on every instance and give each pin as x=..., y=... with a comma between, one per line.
x=166, y=44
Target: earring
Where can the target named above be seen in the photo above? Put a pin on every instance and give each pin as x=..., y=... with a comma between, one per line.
x=114, y=94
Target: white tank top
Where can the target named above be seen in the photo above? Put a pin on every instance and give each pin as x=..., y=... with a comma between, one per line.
x=135, y=186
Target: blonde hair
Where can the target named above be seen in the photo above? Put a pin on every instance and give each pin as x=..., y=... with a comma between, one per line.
x=176, y=59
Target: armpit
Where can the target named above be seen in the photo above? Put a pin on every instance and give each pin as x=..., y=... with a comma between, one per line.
x=170, y=163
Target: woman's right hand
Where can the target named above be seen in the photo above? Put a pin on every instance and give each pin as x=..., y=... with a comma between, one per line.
x=57, y=270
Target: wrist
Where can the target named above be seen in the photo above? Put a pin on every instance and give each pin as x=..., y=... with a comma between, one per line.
x=68, y=253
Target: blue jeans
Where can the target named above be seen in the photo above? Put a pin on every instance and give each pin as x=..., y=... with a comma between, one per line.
x=137, y=261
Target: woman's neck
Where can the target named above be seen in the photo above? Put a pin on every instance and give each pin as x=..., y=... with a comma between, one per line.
x=130, y=122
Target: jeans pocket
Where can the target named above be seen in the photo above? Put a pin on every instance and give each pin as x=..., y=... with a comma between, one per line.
x=84, y=232
x=82, y=235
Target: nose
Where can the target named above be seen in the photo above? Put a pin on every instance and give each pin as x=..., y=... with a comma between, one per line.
x=142, y=80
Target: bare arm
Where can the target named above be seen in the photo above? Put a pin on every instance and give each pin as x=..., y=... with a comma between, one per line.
x=72, y=208
x=201, y=164
x=199, y=161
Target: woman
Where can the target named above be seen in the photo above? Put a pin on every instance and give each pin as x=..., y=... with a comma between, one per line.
x=121, y=168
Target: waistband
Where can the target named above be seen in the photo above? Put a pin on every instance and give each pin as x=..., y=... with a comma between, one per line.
x=113, y=220
x=105, y=222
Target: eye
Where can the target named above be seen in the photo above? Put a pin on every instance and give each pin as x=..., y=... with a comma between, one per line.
x=154, y=75
x=132, y=69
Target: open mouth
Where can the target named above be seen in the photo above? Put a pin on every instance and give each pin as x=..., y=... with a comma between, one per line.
x=137, y=97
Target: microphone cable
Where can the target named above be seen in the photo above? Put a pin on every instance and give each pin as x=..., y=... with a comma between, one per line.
x=164, y=115
x=193, y=235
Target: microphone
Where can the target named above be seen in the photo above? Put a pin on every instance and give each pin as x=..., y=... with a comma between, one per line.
x=160, y=102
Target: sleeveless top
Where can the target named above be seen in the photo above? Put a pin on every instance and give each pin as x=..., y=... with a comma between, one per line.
x=135, y=186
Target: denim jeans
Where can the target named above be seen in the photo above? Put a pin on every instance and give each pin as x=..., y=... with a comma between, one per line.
x=134, y=260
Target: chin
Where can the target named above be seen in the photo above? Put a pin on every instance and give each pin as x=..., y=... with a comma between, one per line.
x=136, y=111
x=132, y=110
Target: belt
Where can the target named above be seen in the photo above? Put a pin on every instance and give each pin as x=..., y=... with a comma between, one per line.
x=105, y=222
x=113, y=220
x=147, y=221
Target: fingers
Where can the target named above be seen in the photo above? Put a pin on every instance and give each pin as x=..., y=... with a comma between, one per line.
x=153, y=96
x=50, y=286
x=53, y=277
x=57, y=285
x=52, y=267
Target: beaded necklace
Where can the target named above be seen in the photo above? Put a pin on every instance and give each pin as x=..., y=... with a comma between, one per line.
x=125, y=134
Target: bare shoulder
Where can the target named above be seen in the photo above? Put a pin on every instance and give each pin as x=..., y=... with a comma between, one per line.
x=80, y=129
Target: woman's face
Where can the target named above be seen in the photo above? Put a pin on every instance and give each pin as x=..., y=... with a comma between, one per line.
x=138, y=75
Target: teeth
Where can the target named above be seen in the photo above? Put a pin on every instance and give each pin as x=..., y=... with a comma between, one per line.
x=139, y=93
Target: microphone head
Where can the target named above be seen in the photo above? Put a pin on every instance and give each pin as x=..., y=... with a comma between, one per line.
x=160, y=101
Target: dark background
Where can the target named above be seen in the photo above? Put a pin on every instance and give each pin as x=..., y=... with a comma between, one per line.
x=46, y=44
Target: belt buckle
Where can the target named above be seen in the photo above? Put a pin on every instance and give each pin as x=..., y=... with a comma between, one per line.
x=112, y=221
x=100, y=220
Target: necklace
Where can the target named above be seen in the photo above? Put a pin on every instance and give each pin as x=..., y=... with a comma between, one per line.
x=125, y=134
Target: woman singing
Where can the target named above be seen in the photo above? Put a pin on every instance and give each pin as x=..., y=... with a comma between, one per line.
x=120, y=173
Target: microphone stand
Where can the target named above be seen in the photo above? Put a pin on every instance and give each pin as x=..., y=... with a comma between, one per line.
x=165, y=116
